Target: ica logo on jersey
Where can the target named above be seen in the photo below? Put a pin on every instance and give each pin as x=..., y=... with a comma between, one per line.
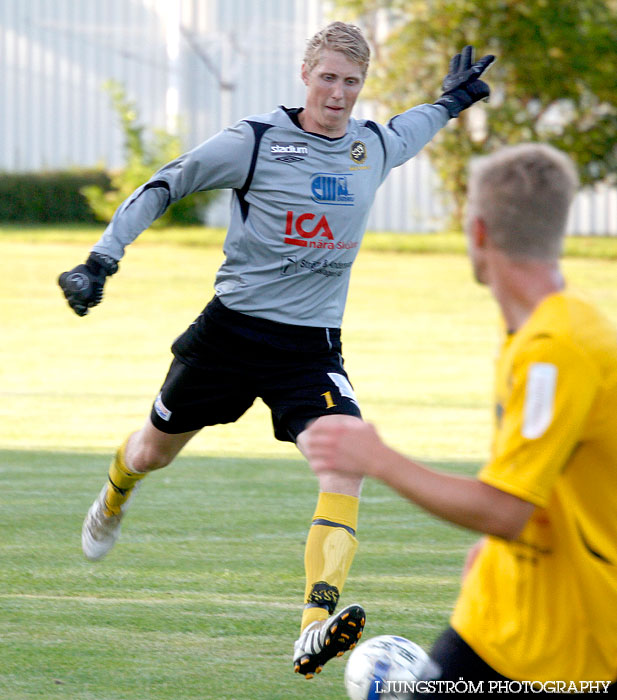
x=308, y=231
x=331, y=188
x=307, y=228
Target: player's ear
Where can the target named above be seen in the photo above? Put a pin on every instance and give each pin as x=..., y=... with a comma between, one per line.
x=304, y=74
x=478, y=232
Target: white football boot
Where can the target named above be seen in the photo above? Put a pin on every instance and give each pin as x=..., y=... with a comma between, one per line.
x=322, y=640
x=100, y=531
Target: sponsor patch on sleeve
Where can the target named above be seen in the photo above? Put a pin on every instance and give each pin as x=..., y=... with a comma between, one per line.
x=539, y=399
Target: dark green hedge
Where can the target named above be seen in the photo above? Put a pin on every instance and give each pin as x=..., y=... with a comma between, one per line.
x=54, y=197
x=48, y=197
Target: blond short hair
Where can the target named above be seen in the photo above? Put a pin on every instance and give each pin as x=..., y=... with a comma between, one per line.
x=339, y=36
x=523, y=193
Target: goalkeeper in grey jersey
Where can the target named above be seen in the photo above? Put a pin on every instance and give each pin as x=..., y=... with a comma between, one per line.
x=303, y=181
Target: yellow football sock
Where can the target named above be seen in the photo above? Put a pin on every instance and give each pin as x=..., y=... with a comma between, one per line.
x=121, y=482
x=330, y=549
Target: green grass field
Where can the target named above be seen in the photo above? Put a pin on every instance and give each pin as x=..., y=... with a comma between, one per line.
x=201, y=597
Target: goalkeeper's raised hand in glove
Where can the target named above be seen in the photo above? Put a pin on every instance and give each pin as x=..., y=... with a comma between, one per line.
x=83, y=285
x=461, y=87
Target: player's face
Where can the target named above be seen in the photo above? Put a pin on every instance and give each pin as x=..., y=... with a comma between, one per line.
x=332, y=88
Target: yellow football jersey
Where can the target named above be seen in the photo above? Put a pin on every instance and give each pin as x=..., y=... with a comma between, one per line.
x=544, y=607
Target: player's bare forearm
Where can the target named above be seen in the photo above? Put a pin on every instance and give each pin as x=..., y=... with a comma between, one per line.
x=461, y=500
x=354, y=446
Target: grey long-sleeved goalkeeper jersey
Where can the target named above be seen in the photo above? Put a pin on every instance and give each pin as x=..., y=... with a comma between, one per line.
x=298, y=212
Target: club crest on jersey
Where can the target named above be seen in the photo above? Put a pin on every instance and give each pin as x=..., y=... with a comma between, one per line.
x=289, y=152
x=331, y=188
x=358, y=152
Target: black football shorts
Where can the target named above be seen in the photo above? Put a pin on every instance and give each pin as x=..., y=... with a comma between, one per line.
x=455, y=661
x=225, y=360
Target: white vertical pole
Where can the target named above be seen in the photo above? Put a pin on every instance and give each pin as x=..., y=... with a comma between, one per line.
x=226, y=89
x=170, y=11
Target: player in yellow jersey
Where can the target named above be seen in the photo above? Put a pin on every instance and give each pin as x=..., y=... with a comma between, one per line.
x=539, y=599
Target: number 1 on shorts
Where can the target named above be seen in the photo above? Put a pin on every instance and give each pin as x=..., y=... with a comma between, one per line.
x=328, y=397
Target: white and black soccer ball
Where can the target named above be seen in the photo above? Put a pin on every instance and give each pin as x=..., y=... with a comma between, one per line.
x=384, y=668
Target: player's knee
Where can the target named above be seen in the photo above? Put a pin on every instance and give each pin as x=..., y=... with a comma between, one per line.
x=147, y=458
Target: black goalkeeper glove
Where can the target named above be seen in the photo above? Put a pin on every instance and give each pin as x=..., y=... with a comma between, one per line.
x=83, y=285
x=461, y=87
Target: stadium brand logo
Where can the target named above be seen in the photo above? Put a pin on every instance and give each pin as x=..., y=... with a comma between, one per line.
x=331, y=188
x=289, y=152
x=358, y=152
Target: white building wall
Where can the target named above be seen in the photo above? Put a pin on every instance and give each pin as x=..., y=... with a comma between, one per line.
x=54, y=58
x=241, y=57
x=196, y=64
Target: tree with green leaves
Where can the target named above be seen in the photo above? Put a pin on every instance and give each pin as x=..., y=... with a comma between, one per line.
x=144, y=154
x=555, y=78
